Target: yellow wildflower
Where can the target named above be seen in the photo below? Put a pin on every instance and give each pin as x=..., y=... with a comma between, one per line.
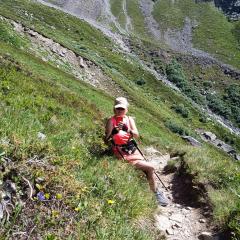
x=110, y=201
x=58, y=196
x=77, y=209
x=47, y=195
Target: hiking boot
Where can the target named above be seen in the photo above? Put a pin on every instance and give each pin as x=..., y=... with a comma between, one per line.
x=161, y=199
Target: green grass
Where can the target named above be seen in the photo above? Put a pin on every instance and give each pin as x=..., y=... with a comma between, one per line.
x=35, y=104
x=117, y=10
x=71, y=113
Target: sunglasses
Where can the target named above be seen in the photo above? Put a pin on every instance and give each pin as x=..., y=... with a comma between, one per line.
x=120, y=108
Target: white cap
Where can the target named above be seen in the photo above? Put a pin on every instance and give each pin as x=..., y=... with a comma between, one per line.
x=121, y=102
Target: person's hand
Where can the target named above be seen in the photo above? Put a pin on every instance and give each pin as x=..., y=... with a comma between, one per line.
x=122, y=126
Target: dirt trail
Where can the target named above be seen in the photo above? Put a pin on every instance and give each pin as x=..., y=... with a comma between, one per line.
x=185, y=218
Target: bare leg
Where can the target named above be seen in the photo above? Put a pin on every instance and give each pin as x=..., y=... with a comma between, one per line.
x=149, y=170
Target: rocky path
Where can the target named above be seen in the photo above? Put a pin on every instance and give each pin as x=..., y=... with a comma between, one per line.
x=185, y=218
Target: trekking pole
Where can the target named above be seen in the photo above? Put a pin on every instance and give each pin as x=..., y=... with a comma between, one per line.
x=146, y=160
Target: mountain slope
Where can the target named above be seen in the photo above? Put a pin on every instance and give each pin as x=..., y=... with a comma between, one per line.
x=74, y=116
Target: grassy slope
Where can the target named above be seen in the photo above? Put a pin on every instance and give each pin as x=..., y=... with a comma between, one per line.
x=213, y=33
x=38, y=101
x=210, y=164
x=116, y=8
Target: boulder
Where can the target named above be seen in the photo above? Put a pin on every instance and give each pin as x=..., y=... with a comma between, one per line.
x=218, y=142
x=192, y=141
x=209, y=136
x=228, y=149
x=237, y=157
x=32, y=33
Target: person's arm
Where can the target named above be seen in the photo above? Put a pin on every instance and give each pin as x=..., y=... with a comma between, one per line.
x=133, y=129
x=108, y=130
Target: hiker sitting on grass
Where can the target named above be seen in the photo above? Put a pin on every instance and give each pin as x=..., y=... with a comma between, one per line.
x=121, y=129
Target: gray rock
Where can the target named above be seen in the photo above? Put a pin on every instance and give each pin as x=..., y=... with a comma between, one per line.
x=202, y=220
x=81, y=63
x=9, y=186
x=169, y=231
x=192, y=141
x=228, y=149
x=62, y=54
x=41, y=136
x=206, y=236
x=32, y=33
x=218, y=142
x=237, y=157
x=209, y=136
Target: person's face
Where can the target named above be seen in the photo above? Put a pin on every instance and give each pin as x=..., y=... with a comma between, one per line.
x=120, y=111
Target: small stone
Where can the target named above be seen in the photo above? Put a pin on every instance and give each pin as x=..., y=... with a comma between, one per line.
x=188, y=208
x=202, y=220
x=9, y=187
x=169, y=231
x=41, y=136
x=62, y=54
x=32, y=33
x=206, y=236
x=6, y=196
x=81, y=63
